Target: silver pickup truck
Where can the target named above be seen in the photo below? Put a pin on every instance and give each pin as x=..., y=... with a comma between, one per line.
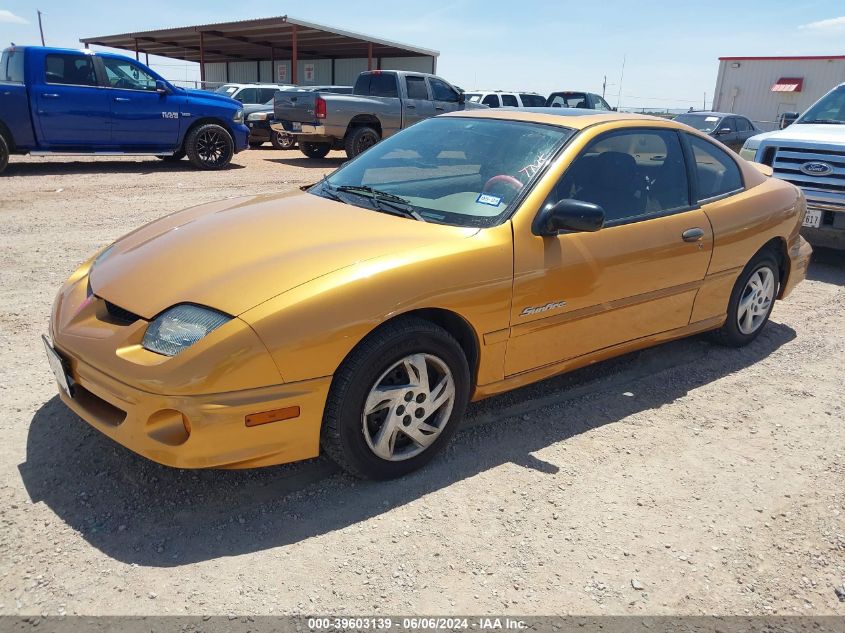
x=381, y=104
x=810, y=153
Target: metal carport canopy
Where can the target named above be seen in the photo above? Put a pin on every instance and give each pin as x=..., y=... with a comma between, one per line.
x=260, y=39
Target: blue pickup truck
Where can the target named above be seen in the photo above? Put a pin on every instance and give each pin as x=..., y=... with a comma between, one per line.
x=63, y=101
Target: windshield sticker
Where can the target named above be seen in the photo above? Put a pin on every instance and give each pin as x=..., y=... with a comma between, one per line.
x=486, y=198
x=711, y=118
x=533, y=168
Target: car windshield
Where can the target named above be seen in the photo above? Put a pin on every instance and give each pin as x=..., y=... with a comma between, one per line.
x=452, y=170
x=704, y=122
x=475, y=97
x=227, y=90
x=829, y=109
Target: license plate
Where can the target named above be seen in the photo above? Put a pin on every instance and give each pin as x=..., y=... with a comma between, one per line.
x=813, y=219
x=58, y=367
x=296, y=127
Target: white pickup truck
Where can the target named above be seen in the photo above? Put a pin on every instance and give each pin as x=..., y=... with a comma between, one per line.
x=810, y=153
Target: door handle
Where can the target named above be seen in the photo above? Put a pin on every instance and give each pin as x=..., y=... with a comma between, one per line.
x=50, y=95
x=440, y=109
x=411, y=107
x=122, y=99
x=692, y=235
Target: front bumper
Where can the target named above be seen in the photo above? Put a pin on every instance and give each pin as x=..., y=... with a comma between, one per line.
x=240, y=134
x=831, y=231
x=215, y=435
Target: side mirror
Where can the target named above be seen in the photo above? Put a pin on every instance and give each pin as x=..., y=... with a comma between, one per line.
x=786, y=119
x=462, y=98
x=568, y=215
x=162, y=88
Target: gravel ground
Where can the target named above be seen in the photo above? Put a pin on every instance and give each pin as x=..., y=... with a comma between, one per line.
x=685, y=479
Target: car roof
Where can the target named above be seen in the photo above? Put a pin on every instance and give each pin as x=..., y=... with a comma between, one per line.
x=709, y=113
x=578, y=118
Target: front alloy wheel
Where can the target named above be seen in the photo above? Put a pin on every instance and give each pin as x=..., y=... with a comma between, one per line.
x=210, y=146
x=396, y=400
x=408, y=407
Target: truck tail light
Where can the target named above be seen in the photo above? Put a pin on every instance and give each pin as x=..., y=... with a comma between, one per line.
x=320, y=108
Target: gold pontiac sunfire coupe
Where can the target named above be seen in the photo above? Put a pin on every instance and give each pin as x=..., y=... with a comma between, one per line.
x=465, y=256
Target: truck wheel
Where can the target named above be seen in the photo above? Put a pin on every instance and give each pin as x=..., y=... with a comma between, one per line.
x=4, y=153
x=210, y=146
x=315, y=150
x=280, y=140
x=360, y=140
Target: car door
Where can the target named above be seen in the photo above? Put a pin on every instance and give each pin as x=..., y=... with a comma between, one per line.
x=744, y=131
x=73, y=108
x=418, y=104
x=142, y=118
x=577, y=293
x=726, y=132
x=446, y=98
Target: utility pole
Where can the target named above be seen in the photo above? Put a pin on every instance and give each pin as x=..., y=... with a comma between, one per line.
x=704, y=106
x=604, y=87
x=41, y=28
x=621, y=78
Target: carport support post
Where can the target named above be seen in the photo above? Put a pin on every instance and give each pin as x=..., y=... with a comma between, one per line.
x=294, y=76
x=369, y=55
x=137, y=54
x=202, y=60
x=274, y=74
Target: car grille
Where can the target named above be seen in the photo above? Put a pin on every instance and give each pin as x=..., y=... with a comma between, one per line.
x=788, y=161
x=120, y=315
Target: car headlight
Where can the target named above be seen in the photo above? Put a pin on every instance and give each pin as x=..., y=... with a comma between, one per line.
x=239, y=116
x=749, y=149
x=258, y=116
x=179, y=327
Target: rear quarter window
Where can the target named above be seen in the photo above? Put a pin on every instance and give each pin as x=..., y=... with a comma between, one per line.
x=11, y=67
x=716, y=171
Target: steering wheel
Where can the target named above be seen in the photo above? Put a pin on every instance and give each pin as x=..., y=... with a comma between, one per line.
x=504, y=179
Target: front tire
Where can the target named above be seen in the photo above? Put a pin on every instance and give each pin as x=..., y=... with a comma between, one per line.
x=315, y=150
x=280, y=140
x=4, y=153
x=751, y=302
x=210, y=146
x=359, y=140
x=396, y=400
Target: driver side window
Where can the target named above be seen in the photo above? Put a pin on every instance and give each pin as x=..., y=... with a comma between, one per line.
x=631, y=175
x=122, y=73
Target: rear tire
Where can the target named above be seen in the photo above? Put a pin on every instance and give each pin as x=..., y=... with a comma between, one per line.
x=4, y=153
x=280, y=140
x=315, y=150
x=752, y=299
x=210, y=146
x=360, y=139
x=396, y=400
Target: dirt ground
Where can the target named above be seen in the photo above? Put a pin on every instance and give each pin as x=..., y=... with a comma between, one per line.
x=684, y=479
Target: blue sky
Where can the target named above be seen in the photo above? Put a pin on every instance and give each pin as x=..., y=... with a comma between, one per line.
x=671, y=49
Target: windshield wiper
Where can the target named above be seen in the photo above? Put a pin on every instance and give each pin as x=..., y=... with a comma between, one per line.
x=327, y=189
x=396, y=204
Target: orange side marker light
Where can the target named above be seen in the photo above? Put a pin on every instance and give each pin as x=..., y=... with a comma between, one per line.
x=276, y=415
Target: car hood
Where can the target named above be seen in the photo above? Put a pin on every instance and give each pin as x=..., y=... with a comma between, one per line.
x=211, y=96
x=234, y=254
x=806, y=133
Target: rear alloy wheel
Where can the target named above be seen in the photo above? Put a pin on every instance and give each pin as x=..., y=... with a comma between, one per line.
x=280, y=140
x=751, y=302
x=360, y=140
x=4, y=153
x=210, y=146
x=315, y=150
x=396, y=400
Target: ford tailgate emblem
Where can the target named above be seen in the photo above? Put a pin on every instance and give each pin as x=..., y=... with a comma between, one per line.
x=817, y=168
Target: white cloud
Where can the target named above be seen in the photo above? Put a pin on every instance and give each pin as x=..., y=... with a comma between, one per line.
x=831, y=24
x=10, y=18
